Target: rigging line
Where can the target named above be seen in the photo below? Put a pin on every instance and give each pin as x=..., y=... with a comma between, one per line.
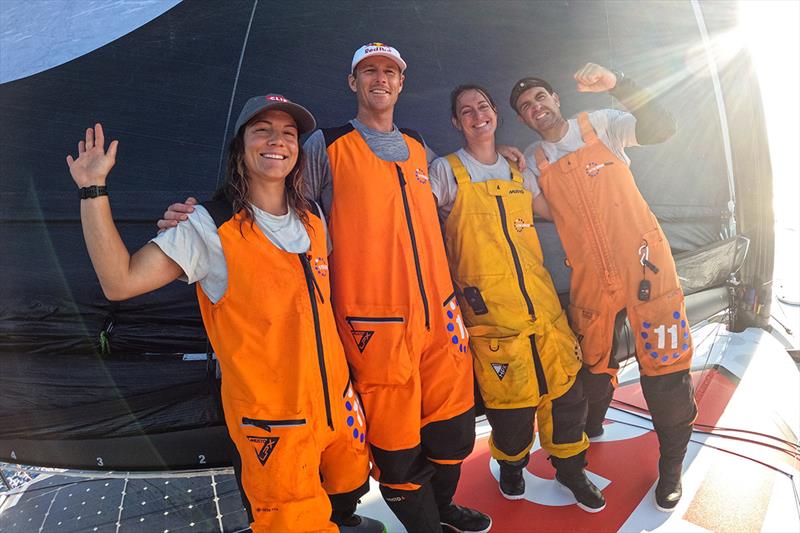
x=723, y=116
x=610, y=48
x=233, y=93
x=49, y=507
x=773, y=468
x=790, y=453
x=718, y=428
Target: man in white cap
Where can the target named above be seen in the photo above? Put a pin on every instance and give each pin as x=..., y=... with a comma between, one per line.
x=394, y=300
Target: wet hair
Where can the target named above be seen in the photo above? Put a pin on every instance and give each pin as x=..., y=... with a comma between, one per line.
x=461, y=89
x=236, y=187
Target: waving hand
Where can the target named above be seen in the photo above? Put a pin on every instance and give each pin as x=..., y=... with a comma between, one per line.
x=94, y=162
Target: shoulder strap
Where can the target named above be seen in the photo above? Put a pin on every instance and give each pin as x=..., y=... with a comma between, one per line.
x=331, y=134
x=516, y=175
x=587, y=131
x=459, y=170
x=541, y=159
x=221, y=210
x=414, y=135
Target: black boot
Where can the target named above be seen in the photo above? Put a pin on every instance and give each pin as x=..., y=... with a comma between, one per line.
x=599, y=392
x=464, y=520
x=512, y=481
x=670, y=399
x=668, y=489
x=416, y=509
x=570, y=474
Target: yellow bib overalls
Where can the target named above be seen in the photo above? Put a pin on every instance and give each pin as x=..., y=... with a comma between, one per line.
x=525, y=354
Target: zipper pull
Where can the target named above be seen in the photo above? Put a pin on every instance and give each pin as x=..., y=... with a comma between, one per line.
x=309, y=272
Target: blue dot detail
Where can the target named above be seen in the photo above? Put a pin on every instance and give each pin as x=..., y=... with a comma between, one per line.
x=355, y=433
x=676, y=355
x=685, y=346
x=454, y=339
x=449, y=314
x=348, y=406
x=653, y=354
x=665, y=358
x=676, y=315
x=644, y=334
x=646, y=325
x=647, y=346
x=685, y=334
x=450, y=327
x=350, y=420
x=361, y=438
x=683, y=323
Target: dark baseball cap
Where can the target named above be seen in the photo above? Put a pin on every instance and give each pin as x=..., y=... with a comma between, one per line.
x=257, y=104
x=523, y=85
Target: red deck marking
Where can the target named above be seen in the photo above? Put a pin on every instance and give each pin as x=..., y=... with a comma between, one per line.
x=631, y=465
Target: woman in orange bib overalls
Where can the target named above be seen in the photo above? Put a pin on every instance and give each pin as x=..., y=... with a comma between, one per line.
x=259, y=255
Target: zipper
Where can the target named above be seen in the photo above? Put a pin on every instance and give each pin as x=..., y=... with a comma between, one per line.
x=376, y=320
x=538, y=368
x=312, y=285
x=600, y=243
x=515, y=256
x=268, y=424
x=410, y=225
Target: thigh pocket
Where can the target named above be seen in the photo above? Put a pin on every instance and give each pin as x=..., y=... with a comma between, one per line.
x=662, y=331
x=505, y=371
x=376, y=347
x=593, y=331
x=280, y=459
x=561, y=355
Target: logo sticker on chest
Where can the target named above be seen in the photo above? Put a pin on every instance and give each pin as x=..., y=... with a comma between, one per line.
x=321, y=266
x=593, y=169
x=520, y=225
x=421, y=176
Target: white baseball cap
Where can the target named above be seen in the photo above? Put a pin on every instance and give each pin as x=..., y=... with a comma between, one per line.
x=377, y=49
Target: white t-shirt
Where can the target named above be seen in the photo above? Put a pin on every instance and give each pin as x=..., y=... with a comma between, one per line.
x=445, y=188
x=616, y=129
x=195, y=245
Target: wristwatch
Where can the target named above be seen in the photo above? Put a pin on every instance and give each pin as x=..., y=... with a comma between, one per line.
x=93, y=191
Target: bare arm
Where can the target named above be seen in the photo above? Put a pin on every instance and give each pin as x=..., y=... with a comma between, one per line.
x=540, y=207
x=121, y=275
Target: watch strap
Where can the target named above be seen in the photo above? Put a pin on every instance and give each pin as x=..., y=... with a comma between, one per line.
x=93, y=191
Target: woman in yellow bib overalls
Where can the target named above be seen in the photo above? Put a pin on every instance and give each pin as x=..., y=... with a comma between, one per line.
x=526, y=357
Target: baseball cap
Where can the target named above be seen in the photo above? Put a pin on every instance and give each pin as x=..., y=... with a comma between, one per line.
x=523, y=85
x=257, y=104
x=377, y=49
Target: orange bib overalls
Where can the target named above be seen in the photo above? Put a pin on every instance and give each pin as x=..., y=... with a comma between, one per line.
x=286, y=393
x=616, y=249
x=398, y=317
x=613, y=243
x=525, y=355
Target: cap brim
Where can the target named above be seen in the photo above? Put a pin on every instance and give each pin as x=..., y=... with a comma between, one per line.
x=400, y=62
x=302, y=116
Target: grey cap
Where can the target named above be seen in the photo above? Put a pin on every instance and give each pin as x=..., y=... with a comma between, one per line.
x=257, y=104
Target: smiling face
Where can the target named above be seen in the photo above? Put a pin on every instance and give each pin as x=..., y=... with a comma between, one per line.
x=270, y=145
x=377, y=82
x=540, y=111
x=475, y=116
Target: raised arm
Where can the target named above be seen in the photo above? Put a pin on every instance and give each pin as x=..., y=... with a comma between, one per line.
x=654, y=124
x=121, y=275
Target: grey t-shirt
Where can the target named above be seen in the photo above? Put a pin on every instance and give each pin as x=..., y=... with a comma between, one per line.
x=389, y=146
x=616, y=129
x=196, y=247
x=445, y=188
